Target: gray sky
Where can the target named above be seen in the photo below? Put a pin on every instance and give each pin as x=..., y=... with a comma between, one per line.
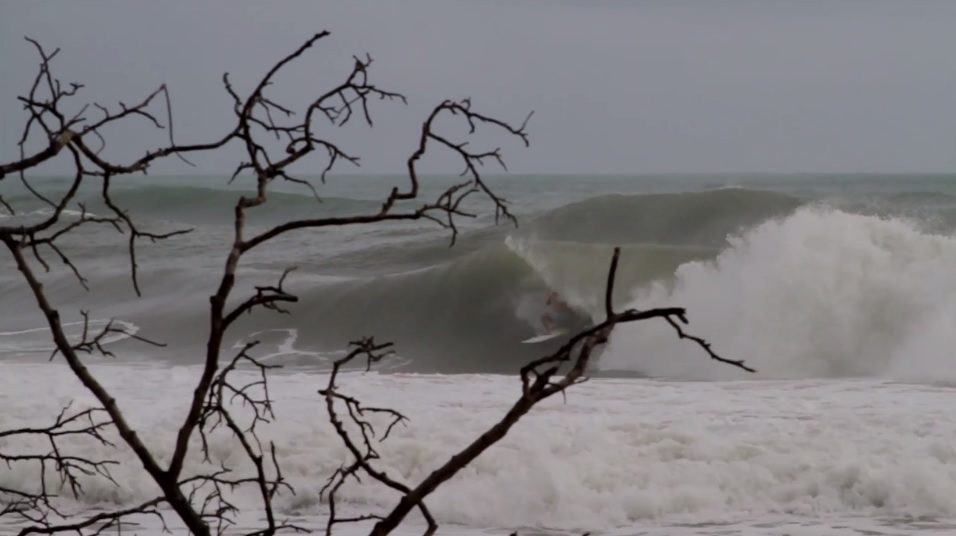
x=617, y=86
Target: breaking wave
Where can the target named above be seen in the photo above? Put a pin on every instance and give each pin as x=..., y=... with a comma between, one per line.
x=797, y=287
x=820, y=293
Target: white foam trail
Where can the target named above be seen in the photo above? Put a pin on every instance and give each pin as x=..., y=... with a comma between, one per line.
x=616, y=454
x=37, y=340
x=821, y=293
x=285, y=351
x=46, y=212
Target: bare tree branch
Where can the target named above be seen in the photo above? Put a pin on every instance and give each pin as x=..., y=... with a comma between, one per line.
x=63, y=132
x=216, y=413
x=35, y=504
x=256, y=114
x=354, y=92
x=364, y=455
x=201, y=500
x=103, y=522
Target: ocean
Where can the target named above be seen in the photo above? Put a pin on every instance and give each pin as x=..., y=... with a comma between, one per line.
x=839, y=289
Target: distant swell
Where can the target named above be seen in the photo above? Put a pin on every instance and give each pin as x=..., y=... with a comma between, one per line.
x=698, y=218
x=199, y=205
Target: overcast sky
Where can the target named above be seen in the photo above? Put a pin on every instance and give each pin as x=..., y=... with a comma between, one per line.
x=617, y=86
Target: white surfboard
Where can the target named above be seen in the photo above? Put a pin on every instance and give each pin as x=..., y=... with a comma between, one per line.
x=546, y=336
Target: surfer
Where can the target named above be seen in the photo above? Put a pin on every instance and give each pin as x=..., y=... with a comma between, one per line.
x=557, y=309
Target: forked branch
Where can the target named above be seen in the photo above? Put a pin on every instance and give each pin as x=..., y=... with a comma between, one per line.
x=35, y=503
x=337, y=105
x=254, y=396
x=45, y=104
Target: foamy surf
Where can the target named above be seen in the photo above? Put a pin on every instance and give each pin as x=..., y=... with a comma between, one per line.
x=616, y=456
x=820, y=293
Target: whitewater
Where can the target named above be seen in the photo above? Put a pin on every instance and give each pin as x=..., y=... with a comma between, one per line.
x=839, y=290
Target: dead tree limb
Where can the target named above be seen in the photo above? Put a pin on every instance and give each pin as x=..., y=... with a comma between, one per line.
x=355, y=92
x=102, y=522
x=200, y=500
x=36, y=503
x=216, y=413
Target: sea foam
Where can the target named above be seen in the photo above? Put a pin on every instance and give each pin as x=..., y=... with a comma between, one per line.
x=819, y=293
x=616, y=454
